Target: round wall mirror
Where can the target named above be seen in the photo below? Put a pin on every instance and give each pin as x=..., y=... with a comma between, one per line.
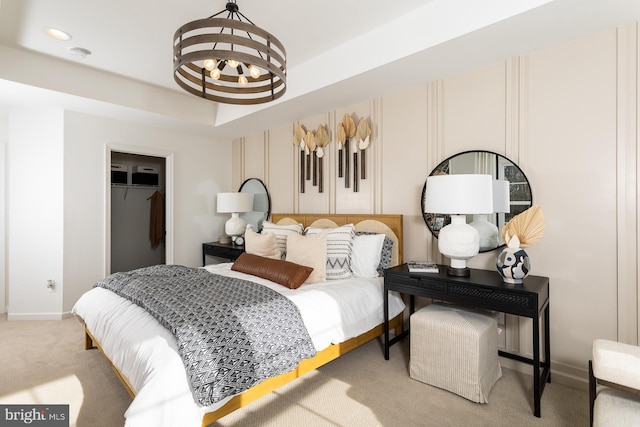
x=261, y=203
x=483, y=162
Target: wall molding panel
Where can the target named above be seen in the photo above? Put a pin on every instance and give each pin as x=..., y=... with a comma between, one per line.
x=514, y=96
x=375, y=164
x=435, y=146
x=627, y=183
x=238, y=156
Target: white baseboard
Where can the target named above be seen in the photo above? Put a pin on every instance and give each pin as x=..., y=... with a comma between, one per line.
x=561, y=373
x=38, y=316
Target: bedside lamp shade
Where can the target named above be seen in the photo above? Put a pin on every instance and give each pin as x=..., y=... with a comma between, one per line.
x=234, y=203
x=458, y=196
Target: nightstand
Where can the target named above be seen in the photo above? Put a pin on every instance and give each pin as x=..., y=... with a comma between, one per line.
x=228, y=251
x=482, y=289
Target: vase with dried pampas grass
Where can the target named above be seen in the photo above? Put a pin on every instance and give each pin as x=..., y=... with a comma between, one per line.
x=520, y=232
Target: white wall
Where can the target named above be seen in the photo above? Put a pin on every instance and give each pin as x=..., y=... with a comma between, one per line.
x=201, y=168
x=567, y=116
x=569, y=154
x=35, y=212
x=57, y=192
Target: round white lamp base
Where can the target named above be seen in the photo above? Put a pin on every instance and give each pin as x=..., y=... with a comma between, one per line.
x=235, y=226
x=459, y=241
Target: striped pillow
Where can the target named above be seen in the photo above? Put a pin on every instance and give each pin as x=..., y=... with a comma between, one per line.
x=281, y=232
x=339, y=247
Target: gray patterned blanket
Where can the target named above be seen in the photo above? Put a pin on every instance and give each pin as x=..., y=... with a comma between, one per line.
x=231, y=333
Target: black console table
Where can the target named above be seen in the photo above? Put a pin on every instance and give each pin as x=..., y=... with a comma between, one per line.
x=482, y=289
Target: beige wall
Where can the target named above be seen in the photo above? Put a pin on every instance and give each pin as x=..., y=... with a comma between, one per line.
x=567, y=115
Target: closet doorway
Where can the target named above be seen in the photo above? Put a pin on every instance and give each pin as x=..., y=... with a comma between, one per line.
x=138, y=204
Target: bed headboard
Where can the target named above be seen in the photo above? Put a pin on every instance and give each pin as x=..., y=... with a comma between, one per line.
x=391, y=225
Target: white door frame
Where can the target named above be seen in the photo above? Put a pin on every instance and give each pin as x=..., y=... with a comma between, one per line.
x=168, y=197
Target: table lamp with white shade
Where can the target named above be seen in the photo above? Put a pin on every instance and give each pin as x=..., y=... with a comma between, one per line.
x=235, y=203
x=458, y=196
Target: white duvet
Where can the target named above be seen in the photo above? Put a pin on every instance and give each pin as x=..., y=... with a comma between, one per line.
x=146, y=353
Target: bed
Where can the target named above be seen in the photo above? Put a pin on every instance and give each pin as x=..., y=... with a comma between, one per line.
x=146, y=359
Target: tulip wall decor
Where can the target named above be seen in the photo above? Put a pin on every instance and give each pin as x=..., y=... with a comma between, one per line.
x=345, y=132
x=312, y=150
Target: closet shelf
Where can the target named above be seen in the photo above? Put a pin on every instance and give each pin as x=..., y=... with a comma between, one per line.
x=137, y=186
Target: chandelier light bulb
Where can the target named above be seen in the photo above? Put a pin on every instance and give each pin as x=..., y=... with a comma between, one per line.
x=242, y=80
x=215, y=74
x=254, y=71
x=233, y=63
x=209, y=64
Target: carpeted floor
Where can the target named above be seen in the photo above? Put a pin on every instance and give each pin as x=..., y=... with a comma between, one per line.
x=45, y=362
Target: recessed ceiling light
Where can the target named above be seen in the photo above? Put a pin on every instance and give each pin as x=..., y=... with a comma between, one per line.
x=79, y=51
x=57, y=34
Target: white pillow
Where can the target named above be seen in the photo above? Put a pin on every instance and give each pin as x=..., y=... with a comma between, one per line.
x=365, y=256
x=338, y=250
x=281, y=232
x=309, y=251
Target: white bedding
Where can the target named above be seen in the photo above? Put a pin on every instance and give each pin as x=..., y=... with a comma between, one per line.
x=146, y=353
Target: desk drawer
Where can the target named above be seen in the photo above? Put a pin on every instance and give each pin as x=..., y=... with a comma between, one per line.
x=495, y=295
x=230, y=253
x=419, y=281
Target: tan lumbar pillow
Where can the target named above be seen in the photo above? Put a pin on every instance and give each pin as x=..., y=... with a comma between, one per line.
x=279, y=271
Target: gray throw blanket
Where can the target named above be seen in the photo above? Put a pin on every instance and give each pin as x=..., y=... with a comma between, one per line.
x=231, y=333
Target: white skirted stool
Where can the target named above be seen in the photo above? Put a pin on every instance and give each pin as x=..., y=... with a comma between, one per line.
x=455, y=349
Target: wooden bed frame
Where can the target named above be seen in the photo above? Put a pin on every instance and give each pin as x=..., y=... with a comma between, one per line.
x=392, y=227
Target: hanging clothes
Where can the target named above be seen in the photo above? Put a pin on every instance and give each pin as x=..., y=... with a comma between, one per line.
x=156, y=222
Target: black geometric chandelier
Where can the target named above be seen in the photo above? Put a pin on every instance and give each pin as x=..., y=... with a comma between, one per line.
x=229, y=60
